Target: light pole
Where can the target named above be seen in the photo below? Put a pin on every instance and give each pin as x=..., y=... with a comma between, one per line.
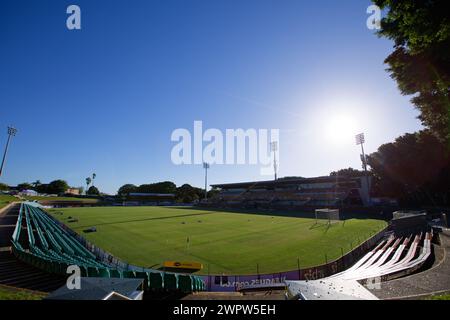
x=206, y=167
x=360, y=141
x=274, y=149
x=11, y=133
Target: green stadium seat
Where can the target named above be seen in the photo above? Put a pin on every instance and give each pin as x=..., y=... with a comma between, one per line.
x=84, y=271
x=185, y=283
x=54, y=249
x=156, y=281
x=145, y=276
x=199, y=285
x=103, y=273
x=93, y=272
x=195, y=284
x=128, y=274
x=170, y=281
x=114, y=273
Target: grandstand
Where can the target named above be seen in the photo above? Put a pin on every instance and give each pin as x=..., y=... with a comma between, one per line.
x=43, y=243
x=392, y=258
x=16, y=273
x=149, y=199
x=319, y=192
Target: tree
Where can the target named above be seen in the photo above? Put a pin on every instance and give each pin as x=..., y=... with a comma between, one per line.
x=36, y=184
x=93, y=191
x=415, y=169
x=88, y=182
x=57, y=187
x=349, y=172
x=420, y=62
x=42, y=188
x=213, y=192
x=4, y=187
x=24, y=186
x=159, y=187
x=126, y=189
x=187, y=193
x=93, y=178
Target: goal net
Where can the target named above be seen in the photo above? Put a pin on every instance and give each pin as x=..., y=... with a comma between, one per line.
x=327, y=215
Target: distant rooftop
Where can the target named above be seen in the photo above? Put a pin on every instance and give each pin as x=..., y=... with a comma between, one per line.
x=284, y=181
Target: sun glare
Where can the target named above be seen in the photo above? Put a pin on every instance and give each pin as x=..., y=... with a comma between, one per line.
x=341, y=129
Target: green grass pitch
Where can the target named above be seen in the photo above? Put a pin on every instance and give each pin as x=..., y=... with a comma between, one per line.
x=225, y=242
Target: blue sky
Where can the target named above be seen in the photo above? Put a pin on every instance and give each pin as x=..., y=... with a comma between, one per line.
x=106, y=98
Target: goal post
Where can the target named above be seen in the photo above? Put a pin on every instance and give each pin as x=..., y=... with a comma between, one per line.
x=327, y=215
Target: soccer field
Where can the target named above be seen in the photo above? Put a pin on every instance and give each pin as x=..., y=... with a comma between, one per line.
x=225, y=242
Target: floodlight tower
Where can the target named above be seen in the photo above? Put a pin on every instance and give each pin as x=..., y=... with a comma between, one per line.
x=360, y=141
x=274, y=149
x=206, y=167
x=11, y=133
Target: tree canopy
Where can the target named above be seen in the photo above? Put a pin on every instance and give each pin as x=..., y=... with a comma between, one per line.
x=349, y=172
x=24, y=186
x=57, y=187
x=159, y=187
x=93, y=191
x=4, y=187
x=414, y=168
x=127, y=189
x=420, y=62
x=187, y=193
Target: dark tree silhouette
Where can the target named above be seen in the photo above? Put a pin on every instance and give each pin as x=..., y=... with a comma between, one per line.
x=420, y=62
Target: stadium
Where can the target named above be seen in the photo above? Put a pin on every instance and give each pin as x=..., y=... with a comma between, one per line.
x=303, y=177
x=290, y=236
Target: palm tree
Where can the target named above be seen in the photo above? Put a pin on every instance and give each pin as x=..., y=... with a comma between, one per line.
x=36, y=183
x=88, y=182
x=93, y=178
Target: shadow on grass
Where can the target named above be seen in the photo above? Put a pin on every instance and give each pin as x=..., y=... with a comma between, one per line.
x=289, y=213
x=260, y=212
x=145, y=219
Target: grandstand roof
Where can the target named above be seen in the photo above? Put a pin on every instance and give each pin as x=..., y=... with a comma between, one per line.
x=139, y=194
x=283, y=182
x=97, y=289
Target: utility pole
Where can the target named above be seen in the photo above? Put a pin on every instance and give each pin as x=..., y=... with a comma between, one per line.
x=11, y=133
x=206, y=167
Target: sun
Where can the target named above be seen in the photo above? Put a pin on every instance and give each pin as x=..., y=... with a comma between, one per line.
x=340, y=129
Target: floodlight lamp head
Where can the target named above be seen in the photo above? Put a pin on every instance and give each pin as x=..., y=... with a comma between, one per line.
x=12, y=131
x=360, y=138
x=274, y=146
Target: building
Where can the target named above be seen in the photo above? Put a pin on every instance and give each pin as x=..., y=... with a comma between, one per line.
x=409, y=221
x=29, y=193
x=329, y=191
x=73, y=191
x=135, y=198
